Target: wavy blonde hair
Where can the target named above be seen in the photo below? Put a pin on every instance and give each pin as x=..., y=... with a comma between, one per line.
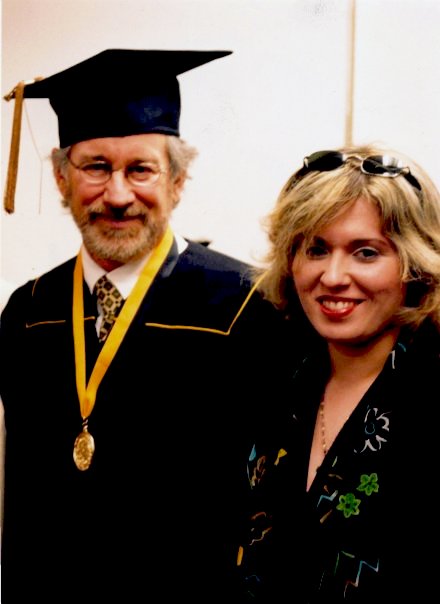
x=410, y=220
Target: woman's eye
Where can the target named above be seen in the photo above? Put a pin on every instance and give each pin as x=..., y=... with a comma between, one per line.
x=315, y=251
x=366, y=253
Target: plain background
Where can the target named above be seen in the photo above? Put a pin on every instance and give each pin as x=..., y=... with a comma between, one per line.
x=282, y=94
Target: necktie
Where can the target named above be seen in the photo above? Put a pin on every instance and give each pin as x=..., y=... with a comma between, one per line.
x=111, y=302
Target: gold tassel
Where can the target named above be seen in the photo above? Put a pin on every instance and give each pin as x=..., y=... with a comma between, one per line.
x=11, y=182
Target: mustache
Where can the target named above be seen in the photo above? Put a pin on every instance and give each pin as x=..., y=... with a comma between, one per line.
x=117, y=213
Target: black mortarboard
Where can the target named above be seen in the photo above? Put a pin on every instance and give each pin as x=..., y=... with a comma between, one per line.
x=118, y=92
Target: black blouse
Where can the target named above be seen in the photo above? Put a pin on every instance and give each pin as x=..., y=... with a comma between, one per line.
x=360, y=533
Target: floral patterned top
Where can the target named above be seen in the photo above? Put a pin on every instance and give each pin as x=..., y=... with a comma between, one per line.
x=361, y=533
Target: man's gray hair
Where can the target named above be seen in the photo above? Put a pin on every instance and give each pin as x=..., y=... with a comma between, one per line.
x=180, y=156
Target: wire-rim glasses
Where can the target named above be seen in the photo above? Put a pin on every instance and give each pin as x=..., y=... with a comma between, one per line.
x=139, y=174
x=373, y=165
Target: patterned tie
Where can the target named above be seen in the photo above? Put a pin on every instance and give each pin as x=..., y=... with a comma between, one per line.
x=111, y=302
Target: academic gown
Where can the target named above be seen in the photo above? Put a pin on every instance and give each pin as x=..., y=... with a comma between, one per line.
x=367, y=529
x=153, y=519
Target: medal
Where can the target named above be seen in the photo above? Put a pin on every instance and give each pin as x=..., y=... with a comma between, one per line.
x=84, y=446
x=83, y=449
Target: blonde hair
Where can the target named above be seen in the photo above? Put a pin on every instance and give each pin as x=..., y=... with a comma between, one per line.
x=410, y=219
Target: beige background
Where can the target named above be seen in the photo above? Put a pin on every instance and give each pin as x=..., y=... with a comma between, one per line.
x=253, y=116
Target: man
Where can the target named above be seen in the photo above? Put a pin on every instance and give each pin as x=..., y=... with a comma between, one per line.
x=117, y=410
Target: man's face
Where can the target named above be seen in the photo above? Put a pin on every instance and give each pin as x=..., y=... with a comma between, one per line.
x=123, y=218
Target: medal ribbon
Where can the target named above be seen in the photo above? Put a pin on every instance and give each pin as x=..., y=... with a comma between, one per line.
x=87, y=392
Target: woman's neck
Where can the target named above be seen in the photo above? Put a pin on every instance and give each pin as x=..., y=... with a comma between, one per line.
x=354, y=363
x=353, y=370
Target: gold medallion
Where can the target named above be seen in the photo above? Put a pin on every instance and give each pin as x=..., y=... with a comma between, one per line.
x=83, y=449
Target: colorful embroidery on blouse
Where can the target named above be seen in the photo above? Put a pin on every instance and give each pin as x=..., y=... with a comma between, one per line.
x=260, y=527
x=348, y=565
x=256, y=471
x=369, y=483
x=376, y=429
x=349, y=505
x=257, y=467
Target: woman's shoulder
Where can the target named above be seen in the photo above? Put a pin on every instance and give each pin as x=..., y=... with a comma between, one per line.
x=417, y=356
x=424, y=344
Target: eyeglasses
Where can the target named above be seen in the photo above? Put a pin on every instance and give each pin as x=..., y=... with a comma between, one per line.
x=374, y=165
x=139, y=175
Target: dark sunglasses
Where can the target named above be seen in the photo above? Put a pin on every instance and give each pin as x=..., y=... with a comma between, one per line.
x=374, y=165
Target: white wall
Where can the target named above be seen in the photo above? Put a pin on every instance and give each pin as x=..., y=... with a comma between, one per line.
x=252, y=115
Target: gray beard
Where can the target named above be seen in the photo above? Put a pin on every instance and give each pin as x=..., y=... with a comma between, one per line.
x=121, y=247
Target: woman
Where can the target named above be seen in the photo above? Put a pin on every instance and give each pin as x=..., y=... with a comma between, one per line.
x=342, y=500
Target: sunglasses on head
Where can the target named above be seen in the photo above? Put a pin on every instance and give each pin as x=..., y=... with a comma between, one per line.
x=374, y=165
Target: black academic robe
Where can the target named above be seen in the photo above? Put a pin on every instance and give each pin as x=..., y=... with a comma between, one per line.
x=153, y=518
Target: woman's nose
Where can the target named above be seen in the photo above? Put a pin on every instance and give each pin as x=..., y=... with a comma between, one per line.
x=336, y=271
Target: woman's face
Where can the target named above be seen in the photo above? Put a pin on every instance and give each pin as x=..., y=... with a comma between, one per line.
x=348, y=279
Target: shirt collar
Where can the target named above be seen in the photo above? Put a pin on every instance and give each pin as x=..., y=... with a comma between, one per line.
x=124, y=277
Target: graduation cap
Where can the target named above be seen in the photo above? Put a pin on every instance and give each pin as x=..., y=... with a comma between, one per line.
x=118, y=92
